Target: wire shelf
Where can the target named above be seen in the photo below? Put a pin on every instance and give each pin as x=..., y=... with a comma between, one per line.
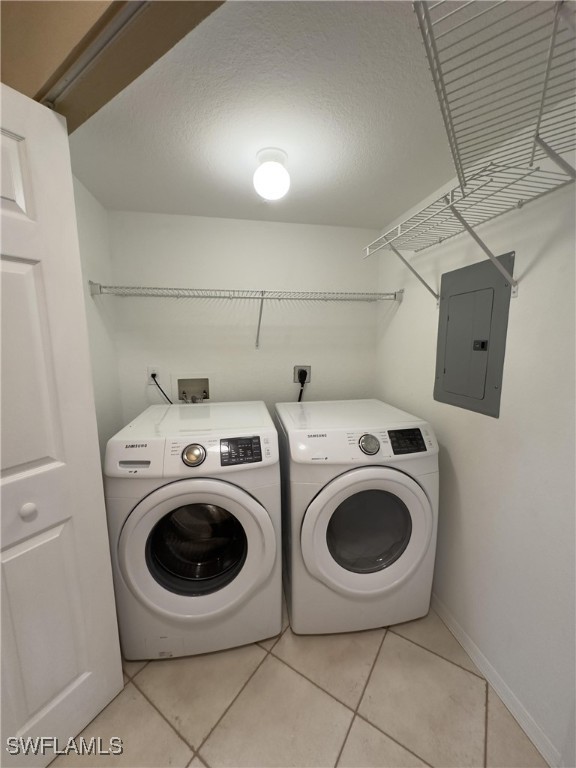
x=504, y=74
x=497, y=190
x=219, y=293
x=97, y=289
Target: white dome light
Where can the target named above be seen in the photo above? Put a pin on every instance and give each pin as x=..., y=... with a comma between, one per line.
x=271, y=179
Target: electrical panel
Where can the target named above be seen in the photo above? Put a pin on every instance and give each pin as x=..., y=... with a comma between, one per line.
x=474, y=304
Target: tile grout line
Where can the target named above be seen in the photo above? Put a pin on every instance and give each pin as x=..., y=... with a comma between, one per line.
x=373, y=725
x=180, y=736
x=377, y=654
x=338, y=701
x=276, y=639
x=397, y=634
x=292, y=669
x=312, y=682
x=486, y=729
x=195, y=751
x=130, y=677
x=331, y=695
x=392, y=738
x=419, y=757
x=355, y=713
x=205, y=739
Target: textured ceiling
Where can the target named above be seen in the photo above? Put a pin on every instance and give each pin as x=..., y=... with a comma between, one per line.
x=342, y=87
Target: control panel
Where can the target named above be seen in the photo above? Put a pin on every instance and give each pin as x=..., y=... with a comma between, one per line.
x=377, y=445
x=240, y=450
x=223, y=452
x=406, y=441
x=191, y=455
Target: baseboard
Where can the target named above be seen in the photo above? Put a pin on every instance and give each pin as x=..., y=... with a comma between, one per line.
x=526, y=722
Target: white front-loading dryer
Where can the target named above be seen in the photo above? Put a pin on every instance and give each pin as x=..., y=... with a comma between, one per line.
x=193, y=507
x=360, y=505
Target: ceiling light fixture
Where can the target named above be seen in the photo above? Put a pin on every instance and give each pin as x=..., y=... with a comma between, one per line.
x=271, y=179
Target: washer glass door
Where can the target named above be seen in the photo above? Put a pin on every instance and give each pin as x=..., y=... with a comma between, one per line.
x=196, y=548
x=367, y=531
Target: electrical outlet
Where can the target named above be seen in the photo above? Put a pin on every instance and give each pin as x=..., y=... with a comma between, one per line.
x=307, y=368
x=150, y=370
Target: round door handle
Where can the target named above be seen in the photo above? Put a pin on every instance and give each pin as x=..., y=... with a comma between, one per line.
x=28, y=511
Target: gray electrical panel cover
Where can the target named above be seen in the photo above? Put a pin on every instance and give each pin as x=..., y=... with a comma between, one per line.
x=474, y=304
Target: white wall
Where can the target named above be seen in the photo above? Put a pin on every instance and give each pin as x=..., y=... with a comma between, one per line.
x=92, y=221
x=216, y=338
x=505, y=573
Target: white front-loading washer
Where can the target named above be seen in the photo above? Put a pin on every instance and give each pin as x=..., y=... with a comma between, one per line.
x=193, y=508
x=360, y=507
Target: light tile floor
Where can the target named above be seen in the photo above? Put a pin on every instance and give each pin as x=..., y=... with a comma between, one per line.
x=407, y=696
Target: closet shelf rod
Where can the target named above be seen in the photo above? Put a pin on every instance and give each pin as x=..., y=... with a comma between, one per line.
x=97, y=289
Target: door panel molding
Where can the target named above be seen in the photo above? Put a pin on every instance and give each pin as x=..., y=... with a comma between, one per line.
x=60, y=653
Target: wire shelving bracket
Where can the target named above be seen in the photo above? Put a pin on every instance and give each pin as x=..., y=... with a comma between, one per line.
x=96, y=289
x=504, y=76
x=498, y=190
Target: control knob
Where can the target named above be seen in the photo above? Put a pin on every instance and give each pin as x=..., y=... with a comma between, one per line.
x=369, y=444
x=193, y=455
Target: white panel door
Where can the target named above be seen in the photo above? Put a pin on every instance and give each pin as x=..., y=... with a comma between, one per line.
x=60, y=651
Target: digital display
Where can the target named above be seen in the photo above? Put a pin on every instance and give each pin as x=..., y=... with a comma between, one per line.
x=240, y=450
x=406, y=441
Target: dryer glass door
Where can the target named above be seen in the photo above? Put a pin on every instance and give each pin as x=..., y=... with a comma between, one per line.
x=367, y=531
